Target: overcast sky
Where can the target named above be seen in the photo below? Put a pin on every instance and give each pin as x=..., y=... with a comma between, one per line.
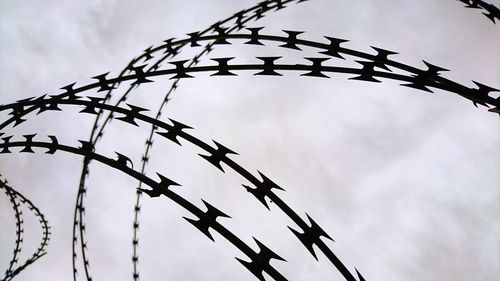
x=406, y=182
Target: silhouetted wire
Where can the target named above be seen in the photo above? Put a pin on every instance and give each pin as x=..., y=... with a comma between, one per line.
x=95, y=137
x=16, y=199
x=493, y=12
x=239, y=24
x=19, y=230
x=366, y=73
x=310, y=235
x=421, y=79
x=426, y=78
x=204, y=220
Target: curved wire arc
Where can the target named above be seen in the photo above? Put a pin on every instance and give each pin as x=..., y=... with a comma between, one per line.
x=160, y=188
x=12, y=193
x=263, y=188
x=260, y=10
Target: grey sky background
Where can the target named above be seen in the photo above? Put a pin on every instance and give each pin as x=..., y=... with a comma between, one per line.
x=406, y=182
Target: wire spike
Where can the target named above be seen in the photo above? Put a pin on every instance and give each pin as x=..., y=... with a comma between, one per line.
x=291, y=42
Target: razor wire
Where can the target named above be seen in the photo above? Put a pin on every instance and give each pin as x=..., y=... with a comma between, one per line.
x=177, y=130
x=255, y=38
x=216, y=156
x=204, y=220
x=16, y=200
x=421, y=79
x=489, y=10
x=223, y=68
x=240, y=18
x=263, y=188
x=18, y=214
x=223, y=36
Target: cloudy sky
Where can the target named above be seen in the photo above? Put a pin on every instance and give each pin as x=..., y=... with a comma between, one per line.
x=406, y=182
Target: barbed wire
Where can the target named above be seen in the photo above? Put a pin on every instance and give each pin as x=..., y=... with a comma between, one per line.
x=204, y=221
x=195, y=39
x=218, y=154
x=490, y=11
x=241, y=18
x=425, y=79
x=16, y=206
x=310, y=235
x=16, y=200
x=373, y=67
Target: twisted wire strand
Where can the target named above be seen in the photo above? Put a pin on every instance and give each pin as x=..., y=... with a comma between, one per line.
x=41, y=250
x=208, y=219
x=18, y=214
